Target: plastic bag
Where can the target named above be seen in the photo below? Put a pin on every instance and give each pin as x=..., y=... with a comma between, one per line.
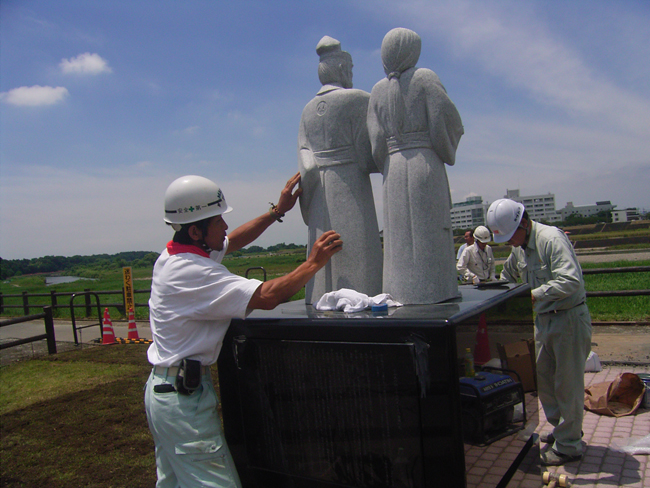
x=634, y=446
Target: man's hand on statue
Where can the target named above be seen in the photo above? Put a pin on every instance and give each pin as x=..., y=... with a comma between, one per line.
x=328, y=244
x=288, y=196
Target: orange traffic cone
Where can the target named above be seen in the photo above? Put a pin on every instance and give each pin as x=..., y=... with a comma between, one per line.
x=133, y=330
x=482, y=350
x=108, y=336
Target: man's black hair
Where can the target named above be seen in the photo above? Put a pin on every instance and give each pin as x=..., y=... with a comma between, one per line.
x=183, y=236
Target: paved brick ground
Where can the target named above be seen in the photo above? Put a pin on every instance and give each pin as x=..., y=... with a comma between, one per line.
x=603, y=464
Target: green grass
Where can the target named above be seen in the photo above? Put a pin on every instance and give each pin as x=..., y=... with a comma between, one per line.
x=602, y=308
x=77, y=419
x=618, y=308
x=633, y=308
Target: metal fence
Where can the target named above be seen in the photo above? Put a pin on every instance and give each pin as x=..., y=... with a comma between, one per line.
x=54, y=298
x=49, y=330
x=88, y=306
x=618, y=293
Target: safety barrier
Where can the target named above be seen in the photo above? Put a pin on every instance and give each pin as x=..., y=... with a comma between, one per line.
x=49, y=330
x=54, y=299
x=26, y=306
x=618, y=293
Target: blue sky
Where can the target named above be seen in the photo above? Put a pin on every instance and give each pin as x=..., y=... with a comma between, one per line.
x=103, y=104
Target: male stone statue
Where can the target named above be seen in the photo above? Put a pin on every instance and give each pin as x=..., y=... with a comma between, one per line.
x=414, y=130
x=335, y=161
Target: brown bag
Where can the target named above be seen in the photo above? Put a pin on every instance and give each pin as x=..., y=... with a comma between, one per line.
x=615, y=398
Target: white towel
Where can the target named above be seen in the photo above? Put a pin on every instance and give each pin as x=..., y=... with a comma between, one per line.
x=352, y=301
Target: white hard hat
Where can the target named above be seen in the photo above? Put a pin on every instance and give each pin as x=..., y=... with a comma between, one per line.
x=481, y=233
x=503, y=218
x=192, y=198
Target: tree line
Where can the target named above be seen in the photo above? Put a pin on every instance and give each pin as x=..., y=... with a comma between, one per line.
x=72, y=264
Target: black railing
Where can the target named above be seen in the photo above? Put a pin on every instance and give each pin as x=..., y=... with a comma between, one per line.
x=121, y=305
x=54, y=296
x=49, y=330
x=618, y=293
x=75, y=328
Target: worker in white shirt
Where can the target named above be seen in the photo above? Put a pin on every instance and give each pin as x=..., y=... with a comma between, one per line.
x=193, y=299
x=476, y=263
x=562, y=322
x=469, y=240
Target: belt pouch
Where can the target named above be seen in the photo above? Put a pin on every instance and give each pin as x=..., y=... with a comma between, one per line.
x=189, y=376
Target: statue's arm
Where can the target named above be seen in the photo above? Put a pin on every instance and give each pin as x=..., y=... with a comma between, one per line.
x=308, y=172
x=376, y=134
x=445, y=124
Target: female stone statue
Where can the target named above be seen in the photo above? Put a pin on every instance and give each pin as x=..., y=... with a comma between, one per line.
x=414, y=130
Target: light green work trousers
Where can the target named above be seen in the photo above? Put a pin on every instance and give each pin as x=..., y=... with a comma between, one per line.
x=562, y=344
x=191, y=451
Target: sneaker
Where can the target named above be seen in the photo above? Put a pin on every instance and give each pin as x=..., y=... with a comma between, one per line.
x=555, y=458
x=547, y=438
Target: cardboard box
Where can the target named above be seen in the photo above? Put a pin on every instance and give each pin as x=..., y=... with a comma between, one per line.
x=520, y=357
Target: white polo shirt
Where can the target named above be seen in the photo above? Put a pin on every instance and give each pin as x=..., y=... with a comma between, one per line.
x=193, y=298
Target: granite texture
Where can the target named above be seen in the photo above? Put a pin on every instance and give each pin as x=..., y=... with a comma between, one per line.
x=335, y=162
x=414, y=130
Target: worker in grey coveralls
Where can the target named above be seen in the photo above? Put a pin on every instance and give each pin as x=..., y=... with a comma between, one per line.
x=562, y=323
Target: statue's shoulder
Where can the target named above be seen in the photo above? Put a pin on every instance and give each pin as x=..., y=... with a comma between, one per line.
x=355, y=94
x=380, y=86
x=426, y=75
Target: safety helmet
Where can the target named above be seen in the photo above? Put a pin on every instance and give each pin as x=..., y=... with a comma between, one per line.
x=191, y=199
x=503, y=218
x=481, y=233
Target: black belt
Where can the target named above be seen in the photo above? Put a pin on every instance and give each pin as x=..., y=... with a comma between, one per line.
x=563, y=310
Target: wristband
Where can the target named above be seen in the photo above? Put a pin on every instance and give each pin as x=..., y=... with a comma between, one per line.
x=275, y=213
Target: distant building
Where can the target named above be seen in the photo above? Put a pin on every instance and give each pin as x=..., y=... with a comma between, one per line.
x=468, y=214
x=585, y=210
x=539, y=207
x=625, y=215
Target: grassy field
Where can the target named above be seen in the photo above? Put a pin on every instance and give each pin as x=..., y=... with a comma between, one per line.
x=76, y=419
x=602, y=309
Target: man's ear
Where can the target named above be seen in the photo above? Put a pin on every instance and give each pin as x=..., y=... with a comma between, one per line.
x=195, y=233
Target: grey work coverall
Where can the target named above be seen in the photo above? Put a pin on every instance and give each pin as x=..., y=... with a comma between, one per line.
x=562, y=332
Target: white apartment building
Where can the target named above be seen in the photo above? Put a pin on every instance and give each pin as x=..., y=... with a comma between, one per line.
x=585, y=210
x=468, y=214
x=539, y=207
x=625, y=215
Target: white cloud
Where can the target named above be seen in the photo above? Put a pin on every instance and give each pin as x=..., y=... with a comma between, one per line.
x=85, y=64
x=34, y=96
x=512, y=41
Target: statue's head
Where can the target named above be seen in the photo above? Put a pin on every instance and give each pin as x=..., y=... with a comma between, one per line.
x=335, y=66
x=400, y=50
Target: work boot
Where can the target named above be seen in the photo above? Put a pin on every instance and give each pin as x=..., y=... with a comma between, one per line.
x=547, y=438
x=555, y=458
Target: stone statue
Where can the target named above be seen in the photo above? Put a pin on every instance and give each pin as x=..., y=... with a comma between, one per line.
x=335, y=162
x=414, y=129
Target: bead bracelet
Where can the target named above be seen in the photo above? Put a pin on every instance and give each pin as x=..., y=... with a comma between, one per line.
x=275, y=213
